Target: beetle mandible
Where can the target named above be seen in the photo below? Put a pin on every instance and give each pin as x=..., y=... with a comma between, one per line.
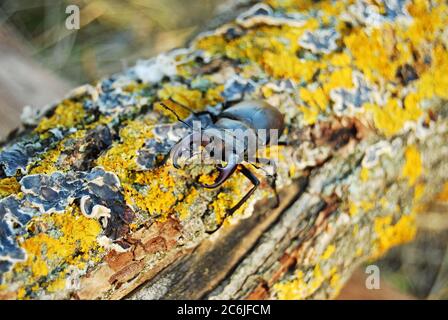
x=250, y=116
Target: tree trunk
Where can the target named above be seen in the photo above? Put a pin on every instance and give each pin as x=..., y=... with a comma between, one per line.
x=91, y=209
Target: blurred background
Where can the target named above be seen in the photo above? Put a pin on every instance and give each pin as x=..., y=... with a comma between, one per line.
x=40, y=60
x=113, y=33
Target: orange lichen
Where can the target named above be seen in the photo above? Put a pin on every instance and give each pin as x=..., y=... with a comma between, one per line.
x=443, y=195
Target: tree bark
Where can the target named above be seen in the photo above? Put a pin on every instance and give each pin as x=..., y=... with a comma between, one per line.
x=90, y=210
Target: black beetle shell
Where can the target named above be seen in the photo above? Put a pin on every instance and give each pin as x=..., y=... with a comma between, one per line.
x=257, y=114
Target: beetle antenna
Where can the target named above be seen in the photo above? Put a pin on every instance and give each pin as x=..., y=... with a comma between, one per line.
x=182, y=105
x=176, y=115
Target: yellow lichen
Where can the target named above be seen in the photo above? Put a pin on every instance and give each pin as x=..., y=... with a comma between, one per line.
x=336, y=78
x=192, y=98
x=379, y=53
x=316, y=102
x=302, y=287
x=9, y=186
x=434, y=82
x=354, y=207
x=364, y=175
x=58, y=284
x=73, y=242
x=309, y=114
x=328, y=252
x=390, y=234
x=120, y=158
x=157, y=193
x=47, y=164
x=413, y=166
x=183, y=208
x=68, y=114
x=234, y=190
x=427, y=20
x=391, y=118
x=287, y=66
x=271, y=47
x=335, y=283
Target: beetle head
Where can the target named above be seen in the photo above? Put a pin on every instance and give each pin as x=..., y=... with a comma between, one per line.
x=218, y=146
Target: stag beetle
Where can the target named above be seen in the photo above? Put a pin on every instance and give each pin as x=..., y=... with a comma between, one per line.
x=251, y=117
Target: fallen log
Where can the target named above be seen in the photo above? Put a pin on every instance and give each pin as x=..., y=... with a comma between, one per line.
x=90, y=209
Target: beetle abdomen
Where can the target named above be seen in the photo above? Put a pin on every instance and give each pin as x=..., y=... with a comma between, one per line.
x=257, y=114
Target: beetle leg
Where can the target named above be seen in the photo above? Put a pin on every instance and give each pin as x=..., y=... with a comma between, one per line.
x=183, y=145
x=266, y=162
x=250, y=175
x=272, y=177
x=273, y=184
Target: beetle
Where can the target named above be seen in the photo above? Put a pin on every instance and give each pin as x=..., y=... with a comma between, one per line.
x=250, y=117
